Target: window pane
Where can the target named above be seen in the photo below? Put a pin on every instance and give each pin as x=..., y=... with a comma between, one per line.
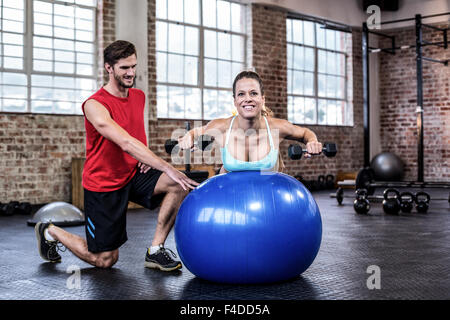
x=299, y=61
x=322, y=62
x=237, y=17
x=310, y=110
x=84, y=47
x=297, y=31
x=14, y=105
x=41, y=65
x=209, y=13
x=237, y=43
x=322, y=112
x=288, y=30
x=61, y=67
x=42, y=18
x=322, y=80
x=12, y=38
x=223, y=18
x=42, y=42
x=299, y=110
x=331, y=63
x=161, y=9
x=210, y=44
x=190, y=71
x=13, y=63
x=13, y=79
x=224, y=74
x=331, y=39
x=309, y=33
x=309, y=59
x=45, y=7
x=331, y=86
x=18, y=4
x=224, y=46
x=84, y=69
x=44, y=30
x=42, y=106
x=309, y=83
x=191, y=41
x=236, y=68
x=209, y=104
x=331, y=112
x=176, y=102
x=15, y=92
x=175, y=10
x=320, y=35
x=175, y=72
x=13, y=51
x=297, y=85
x=161, y=36
x=66, y=56
x=191, y=11
x=176, y=39
x=193, y=103
x=224, y=104
x=161, y=67
x=64, y=82
x=64, y=33
x=64, y=44
x=210, y=72
x=43, y=53
x=290, y=108
x=161, y=102
x=85, y=58
x=289, y=54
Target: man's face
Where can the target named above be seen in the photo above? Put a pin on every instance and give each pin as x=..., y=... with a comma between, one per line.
x=124, y=71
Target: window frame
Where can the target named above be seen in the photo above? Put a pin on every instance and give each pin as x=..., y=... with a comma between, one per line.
x=201, y=56
x=28, y=48
x=316, y=73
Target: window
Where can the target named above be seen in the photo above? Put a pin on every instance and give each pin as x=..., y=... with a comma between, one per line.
x=318, y=90
x=200, y=48
x=60, y=72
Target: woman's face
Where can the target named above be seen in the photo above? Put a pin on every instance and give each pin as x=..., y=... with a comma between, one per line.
x=248, y=99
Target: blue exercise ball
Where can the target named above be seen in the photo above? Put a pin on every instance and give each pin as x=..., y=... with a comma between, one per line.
x=248, y=227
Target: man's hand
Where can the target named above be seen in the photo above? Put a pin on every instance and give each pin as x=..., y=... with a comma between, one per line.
x=180, y=178
x=313, y=147
x=143, y=168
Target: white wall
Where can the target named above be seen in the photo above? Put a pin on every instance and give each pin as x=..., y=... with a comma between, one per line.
x=131, y=25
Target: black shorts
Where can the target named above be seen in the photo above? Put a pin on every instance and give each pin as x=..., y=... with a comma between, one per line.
x=105, y=212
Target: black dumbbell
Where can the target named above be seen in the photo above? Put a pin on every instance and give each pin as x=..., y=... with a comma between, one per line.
x=406, y=201
x=361, y=203
x=8, y=209
x=422, y=200
x=391, y=204
x=340, y=195
x=202, y=142
x=295, y=151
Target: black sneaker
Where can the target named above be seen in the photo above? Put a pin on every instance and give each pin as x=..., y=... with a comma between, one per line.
x=48, y=250
x=162, y=260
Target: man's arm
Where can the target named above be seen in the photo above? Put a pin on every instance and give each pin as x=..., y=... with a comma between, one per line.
x=100, y=118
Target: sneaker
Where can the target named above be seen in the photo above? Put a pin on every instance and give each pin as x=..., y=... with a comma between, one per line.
x=48, y=250
x=162, y=260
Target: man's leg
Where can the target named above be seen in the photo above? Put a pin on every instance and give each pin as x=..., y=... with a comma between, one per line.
x=78, y=246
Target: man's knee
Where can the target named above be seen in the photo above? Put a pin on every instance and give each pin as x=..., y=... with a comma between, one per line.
x=106, y=259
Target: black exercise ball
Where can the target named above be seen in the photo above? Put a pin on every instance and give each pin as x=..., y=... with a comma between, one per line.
x=387, y=167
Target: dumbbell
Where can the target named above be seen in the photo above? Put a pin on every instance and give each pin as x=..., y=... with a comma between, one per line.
x=295, y=151
x=202, y=142
x=361, y=203
x=422, y=200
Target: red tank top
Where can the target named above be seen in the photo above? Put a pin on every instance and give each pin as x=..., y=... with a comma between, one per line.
x=107, y=166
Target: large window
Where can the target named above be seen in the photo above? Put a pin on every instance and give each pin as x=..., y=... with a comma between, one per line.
x=49, y=67
x=318, y=89
x=200, y=47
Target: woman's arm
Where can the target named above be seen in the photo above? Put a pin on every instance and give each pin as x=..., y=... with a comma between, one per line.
x=290, y=131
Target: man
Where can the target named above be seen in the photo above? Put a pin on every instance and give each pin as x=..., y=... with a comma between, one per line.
x=119, y=167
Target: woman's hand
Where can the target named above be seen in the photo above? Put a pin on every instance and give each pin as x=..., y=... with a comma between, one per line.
x=313, y=147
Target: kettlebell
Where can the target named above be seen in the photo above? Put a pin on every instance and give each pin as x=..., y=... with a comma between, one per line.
x=422, y=203
x=391, y=204
x=406, y=201
x=321, y=182
x=329, y=181
x=361, y=203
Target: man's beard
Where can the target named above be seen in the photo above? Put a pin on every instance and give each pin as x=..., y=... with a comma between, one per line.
x=121, y=83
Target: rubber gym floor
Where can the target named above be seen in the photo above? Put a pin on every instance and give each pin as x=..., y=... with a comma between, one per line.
x=410, y=250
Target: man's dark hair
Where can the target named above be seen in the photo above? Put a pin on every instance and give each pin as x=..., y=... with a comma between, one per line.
x=248, y=75
x=117, y=50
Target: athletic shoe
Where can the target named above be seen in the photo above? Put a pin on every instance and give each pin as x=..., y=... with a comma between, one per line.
x=162, y=260
x=48, y=250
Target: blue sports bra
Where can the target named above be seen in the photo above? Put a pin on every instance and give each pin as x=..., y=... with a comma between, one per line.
x=232, y=164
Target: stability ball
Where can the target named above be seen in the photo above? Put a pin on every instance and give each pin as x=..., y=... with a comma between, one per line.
x=248, y=227
x=387, y=167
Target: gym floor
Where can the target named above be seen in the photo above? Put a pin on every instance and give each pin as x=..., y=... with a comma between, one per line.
x=411, y=251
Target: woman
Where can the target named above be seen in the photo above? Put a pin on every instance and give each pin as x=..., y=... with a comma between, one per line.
x=250, y=140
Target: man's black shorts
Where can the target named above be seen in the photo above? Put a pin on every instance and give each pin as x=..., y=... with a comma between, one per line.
x=105, y=212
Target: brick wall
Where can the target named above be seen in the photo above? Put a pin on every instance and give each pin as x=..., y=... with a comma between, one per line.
x=398, y=102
